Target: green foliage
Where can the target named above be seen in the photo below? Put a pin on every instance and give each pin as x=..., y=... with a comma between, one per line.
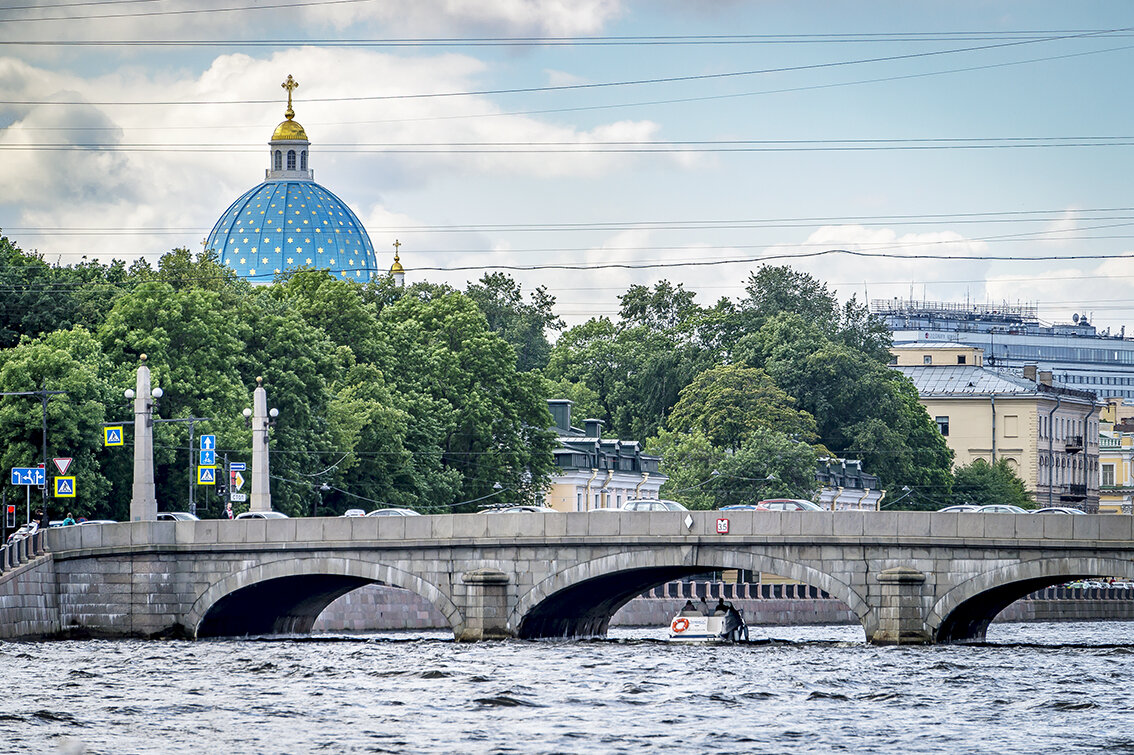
x=731, y=402
x=70, y=361
x=768, y=464
x=521, y=324
x=981, y=483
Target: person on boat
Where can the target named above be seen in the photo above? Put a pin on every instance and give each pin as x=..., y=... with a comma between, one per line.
x=689, y=609
x=721, y=608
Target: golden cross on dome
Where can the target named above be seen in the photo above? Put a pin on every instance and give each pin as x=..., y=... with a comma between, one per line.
x=289, y=85
x=397, y=245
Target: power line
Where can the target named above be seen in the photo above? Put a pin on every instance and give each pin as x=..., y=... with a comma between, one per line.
x=595, y=85
x=183, y=12
x=609, y=106
x=617, y=147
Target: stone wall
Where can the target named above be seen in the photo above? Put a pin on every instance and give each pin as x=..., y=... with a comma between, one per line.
x=376, y=607
x=27, y=590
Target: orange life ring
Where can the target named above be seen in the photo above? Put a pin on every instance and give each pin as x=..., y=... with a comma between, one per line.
x=680, y=624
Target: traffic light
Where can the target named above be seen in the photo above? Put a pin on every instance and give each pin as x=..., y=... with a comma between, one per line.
x=221, y=487
x=10, y=516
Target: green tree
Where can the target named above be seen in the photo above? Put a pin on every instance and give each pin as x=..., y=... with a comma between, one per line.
x=522, y=324
x=465, y=398
x=70, y=361
x=663, y=308
x=730, y=402
x=982, y=483
x=703, y=476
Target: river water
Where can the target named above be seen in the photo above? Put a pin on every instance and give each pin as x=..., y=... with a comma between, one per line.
x=1033, y=688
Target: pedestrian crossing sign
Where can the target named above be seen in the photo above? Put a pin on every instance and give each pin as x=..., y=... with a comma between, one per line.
x=64, y=487
x=112, y=436
x=207, y=475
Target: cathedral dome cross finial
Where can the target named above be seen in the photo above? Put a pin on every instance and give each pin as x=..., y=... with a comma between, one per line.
x=289, y=85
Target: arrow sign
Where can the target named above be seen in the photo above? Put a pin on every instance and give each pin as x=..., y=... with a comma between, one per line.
x=208, y=456
x=27, y=476
x=208, y=442
x=62, y=464
x=112, y=436
x=64, y=487
x=206, y=475
x=237, y=465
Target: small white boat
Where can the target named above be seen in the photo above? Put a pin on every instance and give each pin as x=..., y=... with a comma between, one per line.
x=693, y=626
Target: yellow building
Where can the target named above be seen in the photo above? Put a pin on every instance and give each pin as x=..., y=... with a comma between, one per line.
x=596, y=472
x=1116, y=452
x=1048, y=434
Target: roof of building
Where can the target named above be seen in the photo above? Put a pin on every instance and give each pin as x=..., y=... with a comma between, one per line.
x=970, y=380
x=916, y=345
x=285, y=225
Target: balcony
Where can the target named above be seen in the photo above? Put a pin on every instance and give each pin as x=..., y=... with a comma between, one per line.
x=1074, y=444
x=1073, y=492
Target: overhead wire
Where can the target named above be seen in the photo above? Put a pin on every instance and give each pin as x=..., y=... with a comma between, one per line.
x=589, y=86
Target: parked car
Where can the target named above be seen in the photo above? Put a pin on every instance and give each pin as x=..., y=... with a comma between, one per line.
x=394, y=512
x=787, y=504
x=740, y=507
x=262, y=515
x=958, y=509
x=176, y=516
x=1001, y=508
x=1059, y=510
x=98, y=521
x=23, y=531
x=525, y=507
x=354, y=512
x=651, y=504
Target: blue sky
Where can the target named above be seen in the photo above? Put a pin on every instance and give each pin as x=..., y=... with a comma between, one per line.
x=841, y=109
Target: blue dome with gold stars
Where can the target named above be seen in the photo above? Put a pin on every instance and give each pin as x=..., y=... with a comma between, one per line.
x=289, y=221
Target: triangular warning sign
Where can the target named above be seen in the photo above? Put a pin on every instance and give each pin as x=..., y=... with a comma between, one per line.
x=62, y=464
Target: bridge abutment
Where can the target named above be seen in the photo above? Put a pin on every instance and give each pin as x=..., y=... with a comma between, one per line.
x=482, y=597
x=901, y=617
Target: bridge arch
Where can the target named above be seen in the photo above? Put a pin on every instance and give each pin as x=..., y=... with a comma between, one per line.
x=287, y=595
x=965, y=611
x=580, y=600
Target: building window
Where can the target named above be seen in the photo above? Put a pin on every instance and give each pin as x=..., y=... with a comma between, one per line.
x=943, y=425
x=303, y=160
x=1108, y=475
x=927, y=359
x=960, y=359
x=277, y=160
x=578, y=502
x=1011, y=426
x=291, y=159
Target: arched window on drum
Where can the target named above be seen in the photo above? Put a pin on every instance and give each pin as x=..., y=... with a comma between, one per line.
x=291, y=159
x=277, y=160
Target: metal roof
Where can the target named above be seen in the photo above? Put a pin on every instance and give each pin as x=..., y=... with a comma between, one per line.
x=953, y=380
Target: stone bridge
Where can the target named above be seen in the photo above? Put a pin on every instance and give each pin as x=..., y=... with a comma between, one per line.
x=909, y=577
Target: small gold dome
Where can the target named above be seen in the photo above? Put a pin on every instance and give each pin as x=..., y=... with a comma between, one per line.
x=396, y=267
x=290, y=130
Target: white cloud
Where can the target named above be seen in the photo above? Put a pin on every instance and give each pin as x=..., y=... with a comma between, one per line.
x=206, y=155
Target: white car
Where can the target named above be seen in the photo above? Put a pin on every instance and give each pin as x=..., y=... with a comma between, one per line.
x=176, y=516
x=651, y=504
x=354, y=512
x=1059, y=510
x=262, y=515
x=394, y=512
x=1001, y=508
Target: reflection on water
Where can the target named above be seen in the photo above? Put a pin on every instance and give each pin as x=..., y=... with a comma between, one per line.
x=1034, y=688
